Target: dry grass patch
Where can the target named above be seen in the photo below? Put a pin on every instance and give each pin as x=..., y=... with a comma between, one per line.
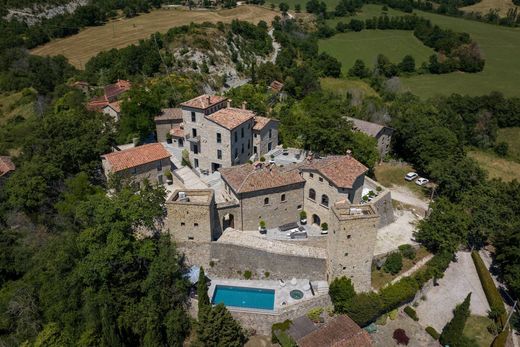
x=476, y=328
x=15, y=104
x=511, y=136
x=485, y=5
x=390, y=175
x=120, y=33
x=495, y=166
x=342, y=86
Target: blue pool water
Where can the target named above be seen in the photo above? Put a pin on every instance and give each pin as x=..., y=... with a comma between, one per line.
x=244, y=297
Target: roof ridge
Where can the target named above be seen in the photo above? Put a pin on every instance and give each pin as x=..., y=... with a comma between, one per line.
x=246, y=178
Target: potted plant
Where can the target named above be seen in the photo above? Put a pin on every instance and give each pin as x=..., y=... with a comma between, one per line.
x=324, y=228
x=261, y=228
x=169, y=177
x=168, y=138
x=303, y=217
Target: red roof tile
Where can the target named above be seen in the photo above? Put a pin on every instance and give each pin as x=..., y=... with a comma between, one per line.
x=116, y=106
x=6, y=165
x=177, y=131
x=136, y=156
x=231, y=117
x=114, y=90
x=276, y=86
x=261, y=122
x=342, y=170
x=246, y=178
x=169, y=114
x=97, y=103
x=204, y=101
x=340, y=331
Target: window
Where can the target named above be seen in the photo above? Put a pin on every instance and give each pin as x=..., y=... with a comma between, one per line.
x=219, y=154
x=299, y=207
x=248, y=145
x=256, y=135
x=236, y=153
x=348, y=236
x=159, y=166
x=321, y=179
x=325, y=200
x=183, y=224
x=195, y=149
x=195, y=224
x=346, y=254
x=236, y=136
x=194, y=132
x=190, y=237
x=219, y=138
x=266, y=201
x=133, y=171
x=269, y=146
x=282, y=198
x=242, y=132
x=311, y=175
x=193, y=117
x=242, y=148
x=312, y=194
x=196, y=162
x=270, y=133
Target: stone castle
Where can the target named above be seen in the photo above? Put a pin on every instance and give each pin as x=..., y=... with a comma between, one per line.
x=213, y=225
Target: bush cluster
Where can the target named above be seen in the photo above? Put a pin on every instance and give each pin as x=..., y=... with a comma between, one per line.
x=393, y=263
x=407, y=251
x=411, y=313
x=433, y=333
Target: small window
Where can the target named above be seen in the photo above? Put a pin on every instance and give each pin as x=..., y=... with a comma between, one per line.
x=299, y=207
x=266, y=201
x=194, y=132
x=195, y=149
x=248, y=145
x=133, y=171
x=219, y=138
x=242, y=132
x=193, y=117
x=311, y=175
x=256, y=135
x=159, y=166
x=219, y=154
x=312, y=194
x=282, y=198
x=236, y=153
x=321, y=179
x=190, y=237
x=196, y=162
x=242, y=148
x=183, y=224
x=236, y=136
x=348, y=236
x=346, y=254
x=195, y=224
x=325, y=200
x=270, y=133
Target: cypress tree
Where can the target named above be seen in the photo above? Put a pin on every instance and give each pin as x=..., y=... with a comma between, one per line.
x=202, y=293
x=452, y=332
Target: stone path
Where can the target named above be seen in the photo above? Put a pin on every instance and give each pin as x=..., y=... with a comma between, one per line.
x=405, y=195
x=413, y=268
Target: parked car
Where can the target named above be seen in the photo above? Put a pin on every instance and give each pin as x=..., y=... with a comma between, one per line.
x=411, y=176
x=421, y=181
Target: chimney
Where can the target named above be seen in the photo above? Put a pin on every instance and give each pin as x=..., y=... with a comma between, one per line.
x=229, y=103
x=208, y=98
x=349, y=153
x=244, y=105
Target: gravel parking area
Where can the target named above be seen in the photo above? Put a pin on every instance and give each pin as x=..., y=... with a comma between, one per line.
x=400, y=232
x=459, y=279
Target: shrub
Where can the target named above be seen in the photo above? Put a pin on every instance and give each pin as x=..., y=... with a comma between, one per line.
x=398, y=293
x=364, y=309
x=303, y=215
x=282, y=326
x=411, y=313
x=262, y=159
x=433, y=333
x=378, y=188
x=493, y=296
x=267, y=274
x=314, y=314
x=341, y=292
x=248, y=274
x=262, y=224
x=407, y=251
x=393, y=263
x=211, y=263
x=324, y=226
x=501, y=339
x=501, y=149
x=393, y=314
x=168, y=174
x=400, y=337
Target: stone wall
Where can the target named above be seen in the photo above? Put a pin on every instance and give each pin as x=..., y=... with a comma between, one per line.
x=229, y=259
x=261, y=322
x=382, y=203
x=261, y=138
x=163, y=127
x=196, y=253
x=153, y=172
x=276, y=212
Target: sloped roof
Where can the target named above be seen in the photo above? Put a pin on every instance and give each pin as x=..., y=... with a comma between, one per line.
x=249, y=178
x=177, y=131
x=97, y=103
x=261, y=122
x=342, y=170
x=115, y=89
x=6, y=165
x=231, y=117
x=133, y=157
x=276, y=85
x=169, y=114
x=340, y=331
x=116, y=106
x=369, y=128
x=204, y=101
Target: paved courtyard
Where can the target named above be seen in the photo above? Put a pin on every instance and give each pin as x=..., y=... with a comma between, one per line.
x=459, y=279
x=398, y=233
x=418, y=336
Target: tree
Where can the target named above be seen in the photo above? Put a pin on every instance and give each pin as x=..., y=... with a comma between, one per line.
x=283, y=8
x=393, y=263
x=356, y=25
x=297, y=8
x=202, y=293
x=407, y=64
x=341, y=293
x=359, y=69
x=452, y=333
x=220, y=329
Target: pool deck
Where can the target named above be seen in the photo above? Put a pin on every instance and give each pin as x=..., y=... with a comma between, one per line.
x=282, y=297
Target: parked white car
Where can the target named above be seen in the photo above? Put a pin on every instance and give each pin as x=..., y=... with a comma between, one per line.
x=421, y=181
x=411, y=176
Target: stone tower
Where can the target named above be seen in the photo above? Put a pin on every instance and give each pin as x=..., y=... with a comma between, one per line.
x=350, y=243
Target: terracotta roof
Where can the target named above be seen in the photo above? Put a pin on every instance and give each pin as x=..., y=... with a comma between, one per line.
x=6, y=165
x=340, y=331
x=204, y=101
x=231, y=117
x=169, y=114
x=277, y=86
x=177, y=131
x=136, y=156
x=248, y=178
x=261, y=122
x=113, y=90
x=369, y=128
x=342, y=170
x=97, y=103
x=116, y=106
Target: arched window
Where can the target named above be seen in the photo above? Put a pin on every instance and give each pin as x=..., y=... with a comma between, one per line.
x=325, y=200
x=282, y=198
x=266, y=201
x=312, y=194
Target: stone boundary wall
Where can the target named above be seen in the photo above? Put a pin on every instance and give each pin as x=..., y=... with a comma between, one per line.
x=261, y=322
x=230, y=261
x=382, y=203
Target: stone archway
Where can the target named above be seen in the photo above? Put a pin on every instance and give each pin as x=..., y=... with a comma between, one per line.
x=316, y=219
x=228, y=221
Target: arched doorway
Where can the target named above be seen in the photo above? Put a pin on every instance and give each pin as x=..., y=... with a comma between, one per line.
x=228, y=221
x=316, y=219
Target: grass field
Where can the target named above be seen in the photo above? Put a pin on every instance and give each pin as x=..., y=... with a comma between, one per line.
x=495, y=166
x=485, y=5
x=15, y=104
x=500, y=46
x=121, y=33
x=331, y=4
x=512, y=137
x=476, y=328
x=390, y=175
x=343, y=85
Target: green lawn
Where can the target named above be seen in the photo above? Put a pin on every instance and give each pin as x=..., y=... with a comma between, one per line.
x=512, y=137
x=331, y=4
x=500, y=46
x=496, y=167
x=476, y=328
x=342, y=86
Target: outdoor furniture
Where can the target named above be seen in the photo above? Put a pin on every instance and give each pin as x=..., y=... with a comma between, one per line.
x=288, y=226
x=294, y=281
x=297, y=234
x=281, y=282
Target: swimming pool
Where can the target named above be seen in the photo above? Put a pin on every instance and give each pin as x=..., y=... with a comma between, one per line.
x=244, y=297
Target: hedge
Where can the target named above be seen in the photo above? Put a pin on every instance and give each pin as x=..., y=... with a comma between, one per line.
x=282, y=327
x=433, y=333
x=493, y=296
x=501, y=339
x=411, y=313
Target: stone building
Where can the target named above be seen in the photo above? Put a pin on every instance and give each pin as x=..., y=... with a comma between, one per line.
x=149, y=162
x=7, y=167
x=111, y=93
x=217, y=135
x=168, y=119
x=113, y=110
x=381, y=133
